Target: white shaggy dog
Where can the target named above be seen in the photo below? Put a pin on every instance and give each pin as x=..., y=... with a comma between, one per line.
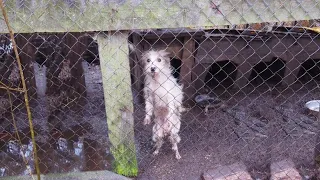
x=163, y=96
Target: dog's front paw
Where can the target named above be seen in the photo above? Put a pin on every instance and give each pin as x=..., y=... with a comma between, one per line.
x=156, y=152
x=183, y=109
x=146, y=121
x=178, y=156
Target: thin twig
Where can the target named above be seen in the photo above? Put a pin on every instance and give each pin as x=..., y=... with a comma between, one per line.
x=11, y=89
x=24, y=87
x=16, y=129
x=4, y=86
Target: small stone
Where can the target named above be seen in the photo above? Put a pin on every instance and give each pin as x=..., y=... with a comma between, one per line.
x=13, y=147
x=62, y=144
x=2, y=172
x=284, y=170
x=234, y=171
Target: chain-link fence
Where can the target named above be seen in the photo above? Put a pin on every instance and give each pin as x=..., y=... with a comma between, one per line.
x=246, y=77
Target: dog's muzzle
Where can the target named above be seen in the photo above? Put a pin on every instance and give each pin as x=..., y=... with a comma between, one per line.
x=153, y=69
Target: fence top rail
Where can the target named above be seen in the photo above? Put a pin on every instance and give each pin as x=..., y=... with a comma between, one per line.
x=28, y=16
x=277, y=31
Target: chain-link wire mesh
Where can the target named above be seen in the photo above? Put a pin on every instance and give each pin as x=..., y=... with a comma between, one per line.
x=244, y=112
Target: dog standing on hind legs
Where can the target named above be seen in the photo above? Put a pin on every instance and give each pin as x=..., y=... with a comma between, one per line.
x=163, y=99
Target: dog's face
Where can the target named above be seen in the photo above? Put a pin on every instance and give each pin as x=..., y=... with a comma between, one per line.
x=156, y=62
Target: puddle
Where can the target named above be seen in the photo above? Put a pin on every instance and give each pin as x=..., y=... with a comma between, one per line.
x=66, y=140
x=69, y=151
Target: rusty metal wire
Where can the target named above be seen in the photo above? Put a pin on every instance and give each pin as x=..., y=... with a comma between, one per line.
x=245, y=92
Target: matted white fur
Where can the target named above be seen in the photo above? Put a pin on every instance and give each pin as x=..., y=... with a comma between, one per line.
x=163, y=96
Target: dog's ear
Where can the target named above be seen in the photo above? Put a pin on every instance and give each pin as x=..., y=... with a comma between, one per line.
x=165, y=55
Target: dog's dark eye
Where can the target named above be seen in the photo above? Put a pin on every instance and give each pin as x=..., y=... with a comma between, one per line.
x=148, y=60
x=159, y=60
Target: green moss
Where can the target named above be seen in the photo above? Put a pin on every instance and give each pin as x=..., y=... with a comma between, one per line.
x=92, y=16
x=125, y=161
x=113, y=53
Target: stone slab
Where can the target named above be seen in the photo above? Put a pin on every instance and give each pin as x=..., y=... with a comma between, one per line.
x=234, y=171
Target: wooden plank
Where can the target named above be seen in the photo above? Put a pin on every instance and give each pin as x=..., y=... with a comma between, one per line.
x=243, y=72
x=27, y=55
x=293, y=64
x=187, y=60
x=115, y=68
x=83, y=15
x=65, y=73
x=199, y=74
x=76, y=45
x=137, y=67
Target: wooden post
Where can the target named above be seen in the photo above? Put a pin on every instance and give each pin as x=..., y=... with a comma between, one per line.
x=137, y=70
x=75, y=45
x=187, y=60
x=187, y=64
x=199, y=74
x=27, y=55
x=115, y=68
x=292, y=68
x=243, y=72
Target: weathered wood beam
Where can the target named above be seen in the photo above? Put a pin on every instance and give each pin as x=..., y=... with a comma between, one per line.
x=83, y=15
x=188, y=62
x=137, y=70
x=76, y=46
x=27, y=53
x=199, y=74
x=115, y=68
x=243, y=72
x=292, y=67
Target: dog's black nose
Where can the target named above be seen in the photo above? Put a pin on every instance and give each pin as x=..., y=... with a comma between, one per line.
x=153, y=69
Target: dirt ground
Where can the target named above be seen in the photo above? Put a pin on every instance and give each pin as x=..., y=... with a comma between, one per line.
x=80, y=145
x=258, y=126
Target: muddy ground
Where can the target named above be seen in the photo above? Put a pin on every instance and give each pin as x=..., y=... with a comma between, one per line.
x=259, y=125
x=81, y=144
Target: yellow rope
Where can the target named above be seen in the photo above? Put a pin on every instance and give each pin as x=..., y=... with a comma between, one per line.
x=24, y=87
